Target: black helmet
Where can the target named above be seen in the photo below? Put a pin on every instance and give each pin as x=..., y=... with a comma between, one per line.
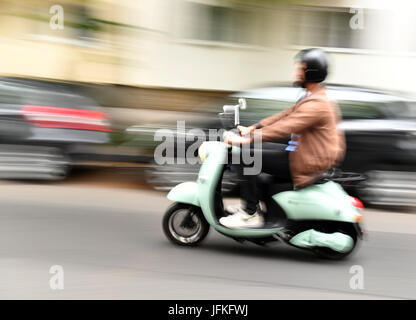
x=316, y=64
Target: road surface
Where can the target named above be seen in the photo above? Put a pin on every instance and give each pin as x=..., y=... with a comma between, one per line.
x=110, y=245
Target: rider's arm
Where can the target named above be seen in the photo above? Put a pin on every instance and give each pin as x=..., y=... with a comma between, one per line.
x=305, y=115
x=276, y=117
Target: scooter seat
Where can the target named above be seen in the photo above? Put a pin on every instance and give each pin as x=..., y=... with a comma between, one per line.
x=342, y=177
x=330, y=175
x=272, y=184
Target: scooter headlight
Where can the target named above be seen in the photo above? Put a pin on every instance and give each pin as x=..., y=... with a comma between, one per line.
x=202, y=152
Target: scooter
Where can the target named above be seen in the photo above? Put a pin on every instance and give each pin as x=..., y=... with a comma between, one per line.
x=321, y=217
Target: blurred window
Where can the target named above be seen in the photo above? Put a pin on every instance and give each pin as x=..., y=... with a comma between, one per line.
x=261, y=108
x=412, y=110
x=7, y=97
x=258, y=109
x=403, y=110
x=228, y=24
x=68, y=100
x=79, y=23
x=361, y=110
x=40, y=93
x=267, y=107
x=323, y=27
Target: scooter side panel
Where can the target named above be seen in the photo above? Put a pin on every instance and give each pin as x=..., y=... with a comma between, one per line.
x=207, y=180
x=248, y=233
x=311, y=238
x=318, y=202
x=208, y=176
x=186, y=192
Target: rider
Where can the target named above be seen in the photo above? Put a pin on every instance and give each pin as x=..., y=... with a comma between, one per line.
x=316, y=144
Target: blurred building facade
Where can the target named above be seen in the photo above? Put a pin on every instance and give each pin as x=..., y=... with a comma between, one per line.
x=208, y=44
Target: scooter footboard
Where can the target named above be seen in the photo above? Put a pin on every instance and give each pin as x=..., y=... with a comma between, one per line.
x=336, y=241
x=186, y=192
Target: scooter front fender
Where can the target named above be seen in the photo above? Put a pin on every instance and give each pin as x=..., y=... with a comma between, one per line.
x=186, y=192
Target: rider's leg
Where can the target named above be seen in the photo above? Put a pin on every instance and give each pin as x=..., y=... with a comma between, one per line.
x=274, y=161
x=248, y=190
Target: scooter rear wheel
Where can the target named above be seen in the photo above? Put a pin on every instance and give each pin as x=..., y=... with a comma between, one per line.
x=185, y=224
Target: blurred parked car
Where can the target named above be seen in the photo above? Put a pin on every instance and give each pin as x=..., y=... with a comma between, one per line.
x=43, y=125
x=380, y=130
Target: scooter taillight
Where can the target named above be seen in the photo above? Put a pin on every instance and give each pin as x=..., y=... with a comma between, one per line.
x=357, y=203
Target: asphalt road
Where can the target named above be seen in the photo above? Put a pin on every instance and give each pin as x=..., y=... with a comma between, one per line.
x=110, y=245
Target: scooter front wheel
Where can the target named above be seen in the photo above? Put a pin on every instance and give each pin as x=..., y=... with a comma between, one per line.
x=185, y=224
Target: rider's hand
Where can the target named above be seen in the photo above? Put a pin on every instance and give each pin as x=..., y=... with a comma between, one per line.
x=246, y=130
x=236, y=140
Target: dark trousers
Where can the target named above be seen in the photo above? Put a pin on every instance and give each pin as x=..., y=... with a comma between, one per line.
x=275, y=161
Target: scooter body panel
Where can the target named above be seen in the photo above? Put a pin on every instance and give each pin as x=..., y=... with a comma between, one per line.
x=326, y=201
x=208, y=177
x=320, y=202
x=207, y=183
x=248, y=233
x=186, y=192
x=311, y=238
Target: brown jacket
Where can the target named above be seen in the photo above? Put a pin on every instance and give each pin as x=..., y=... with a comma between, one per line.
x=321, y=145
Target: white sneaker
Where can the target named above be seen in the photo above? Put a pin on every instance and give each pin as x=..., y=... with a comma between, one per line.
x=237, y=214
x=254, y=221
x=233, y=209
x=241, y=219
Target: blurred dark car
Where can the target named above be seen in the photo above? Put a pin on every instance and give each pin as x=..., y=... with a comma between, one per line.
x=43, y=125
x=380, y=131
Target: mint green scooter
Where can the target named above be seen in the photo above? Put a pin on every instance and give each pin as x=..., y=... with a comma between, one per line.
x=321, y=217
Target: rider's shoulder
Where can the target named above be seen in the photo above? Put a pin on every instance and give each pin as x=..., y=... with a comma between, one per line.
x=320, y=97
